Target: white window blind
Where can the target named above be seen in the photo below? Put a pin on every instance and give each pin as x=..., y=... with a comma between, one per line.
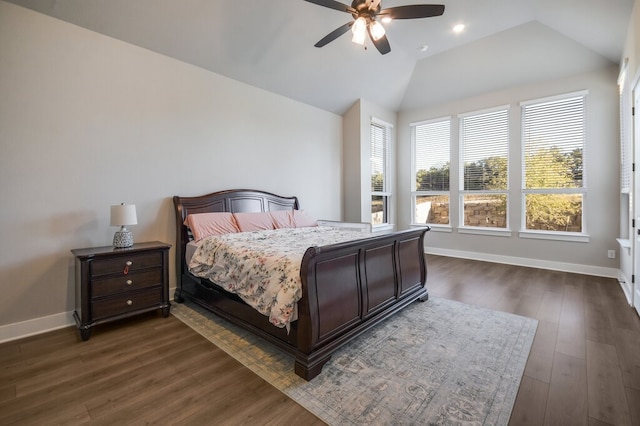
x=626, y=152
x=484, y=177
x=553, y=135
x=379, y=137
x=553, y=142
x=485, y=150
x=380, y=176
x=431, y=142
x=431, y=155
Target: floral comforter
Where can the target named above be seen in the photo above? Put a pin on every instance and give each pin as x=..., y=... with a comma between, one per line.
x=263, y=267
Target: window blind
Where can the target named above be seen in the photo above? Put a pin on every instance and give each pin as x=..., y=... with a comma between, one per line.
x=485, y=150
x=379, y=137
x=553, y=143
x=431, y=155
x=626, y=151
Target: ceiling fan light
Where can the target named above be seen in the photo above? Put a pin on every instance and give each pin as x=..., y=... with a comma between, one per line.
x=358, y=38
x=359, y=29
x=377, y=30
x=359, y=26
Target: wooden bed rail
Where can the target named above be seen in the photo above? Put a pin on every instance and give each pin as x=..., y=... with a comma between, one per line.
x=349, y=287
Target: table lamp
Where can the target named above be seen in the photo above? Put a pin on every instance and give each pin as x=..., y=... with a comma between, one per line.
x=123, y=215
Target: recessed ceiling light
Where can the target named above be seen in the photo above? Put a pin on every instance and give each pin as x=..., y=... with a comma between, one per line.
x=423, y=48
x=458, y=28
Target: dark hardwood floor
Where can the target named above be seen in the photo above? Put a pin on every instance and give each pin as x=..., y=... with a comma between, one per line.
x=584, y=366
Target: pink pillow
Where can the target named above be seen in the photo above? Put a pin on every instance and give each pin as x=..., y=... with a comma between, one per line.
x=203, y=225
x=302, y=219
x=253, y=221
x=282, y=219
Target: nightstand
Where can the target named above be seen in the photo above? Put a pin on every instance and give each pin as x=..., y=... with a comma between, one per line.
x=115, y=283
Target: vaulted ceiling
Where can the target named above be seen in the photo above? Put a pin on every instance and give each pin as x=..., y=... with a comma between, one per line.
x=269, y=44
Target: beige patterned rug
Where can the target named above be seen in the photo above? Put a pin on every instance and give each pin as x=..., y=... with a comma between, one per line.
x=439, y=362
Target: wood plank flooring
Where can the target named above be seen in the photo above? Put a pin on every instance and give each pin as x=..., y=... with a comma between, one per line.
x=584, y=366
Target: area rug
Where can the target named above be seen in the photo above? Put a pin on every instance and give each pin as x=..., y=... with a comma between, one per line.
x=439, y=362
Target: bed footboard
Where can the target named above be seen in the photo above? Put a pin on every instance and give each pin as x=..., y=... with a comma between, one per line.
x=349, y=287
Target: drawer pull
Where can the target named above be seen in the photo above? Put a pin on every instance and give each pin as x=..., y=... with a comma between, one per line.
x=129, y=282
x=129, y=302
x=126, y=268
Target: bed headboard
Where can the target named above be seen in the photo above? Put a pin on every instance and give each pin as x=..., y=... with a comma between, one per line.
x=233, y=200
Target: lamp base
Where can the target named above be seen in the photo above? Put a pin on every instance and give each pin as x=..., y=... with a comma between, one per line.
x=122, y=239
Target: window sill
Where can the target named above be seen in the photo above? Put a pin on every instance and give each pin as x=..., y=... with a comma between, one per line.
x=557, y=236
x=434, y=228
x=494, y=232
x=382, y=228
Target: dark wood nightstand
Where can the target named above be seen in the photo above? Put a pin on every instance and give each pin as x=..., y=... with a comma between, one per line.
x=114, y=283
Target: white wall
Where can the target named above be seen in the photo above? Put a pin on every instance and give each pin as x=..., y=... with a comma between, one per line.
x=602, y=168
x=353, y=169
x=357, y=155
x=632, y=44
x=87, y=121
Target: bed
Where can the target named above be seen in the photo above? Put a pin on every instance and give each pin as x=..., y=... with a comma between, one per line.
x=347, y=287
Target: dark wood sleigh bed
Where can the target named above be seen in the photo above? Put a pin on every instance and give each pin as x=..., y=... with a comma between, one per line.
x=346, y=287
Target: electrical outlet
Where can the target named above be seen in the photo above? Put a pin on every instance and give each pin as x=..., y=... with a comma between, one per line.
x=611, y=254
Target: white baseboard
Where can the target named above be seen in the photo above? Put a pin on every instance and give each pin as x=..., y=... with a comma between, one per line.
x=41, y=325
x=598, y=271
x=19, y=330
x=626, y=286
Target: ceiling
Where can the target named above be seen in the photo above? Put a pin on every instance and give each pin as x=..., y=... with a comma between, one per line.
x=269, y=44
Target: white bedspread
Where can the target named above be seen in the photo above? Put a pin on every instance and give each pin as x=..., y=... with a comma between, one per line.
x=263, y=267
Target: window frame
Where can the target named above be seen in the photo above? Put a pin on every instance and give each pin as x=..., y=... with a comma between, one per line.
x=417, y=193
x=582, y=236
x=387, y=182
x=486, y=230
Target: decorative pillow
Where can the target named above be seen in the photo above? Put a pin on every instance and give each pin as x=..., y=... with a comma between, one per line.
x=203, y=225
x=282, y=219
x=253, y=221
x=301, y=219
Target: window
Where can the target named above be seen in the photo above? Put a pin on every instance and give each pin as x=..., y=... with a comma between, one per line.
x=626, y=145
x=380, y=176
x=484, y=153
x=553, y=139
x=431, y=142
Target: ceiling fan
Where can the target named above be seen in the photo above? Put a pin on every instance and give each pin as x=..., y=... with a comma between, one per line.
x=365, y=14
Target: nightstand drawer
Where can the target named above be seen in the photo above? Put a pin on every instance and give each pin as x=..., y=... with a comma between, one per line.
x=113, y=283
x=125, y=264
x=125, y=283
x=127, y=302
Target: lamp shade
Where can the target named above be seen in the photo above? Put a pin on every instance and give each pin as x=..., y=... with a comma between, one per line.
x=123, y=215
x=377, y=30
x=359, y=30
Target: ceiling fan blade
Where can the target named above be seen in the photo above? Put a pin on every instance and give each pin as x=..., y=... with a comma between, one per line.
x=332, y=4
x=413, y=11
x=334, y=34
x=382, y=44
